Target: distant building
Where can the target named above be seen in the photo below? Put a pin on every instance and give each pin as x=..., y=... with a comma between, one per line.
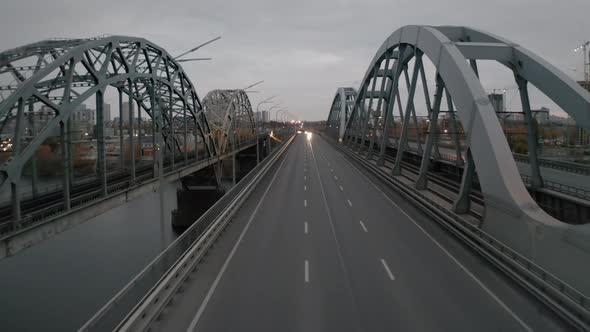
x=542, y=115
x=497, y=100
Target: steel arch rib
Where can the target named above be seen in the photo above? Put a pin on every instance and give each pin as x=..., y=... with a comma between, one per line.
x=511, y=214
x=339, y=114
x=223, y=108
x=114, y=69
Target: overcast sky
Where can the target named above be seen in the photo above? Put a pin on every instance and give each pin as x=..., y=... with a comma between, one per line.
x=303, y=49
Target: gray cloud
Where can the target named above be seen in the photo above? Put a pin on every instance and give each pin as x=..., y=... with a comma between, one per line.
x=304, y=49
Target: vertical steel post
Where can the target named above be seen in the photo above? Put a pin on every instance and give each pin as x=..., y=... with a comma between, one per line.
x=16, y=147
x=65, y=156
x=34, y=174
x=390, y=104
x=155, y=133
x=432, y=134
x=454, y=129
x=379, y=102
x=463, y=202
x=365, y=123
x=139, y=132
x=185, y=132
x=414, y=117
x=172, y=130
x=536, y=180
x=131, y=147
x=436, y=154
x=397, y=167
x=101, y=171
x=121, y=139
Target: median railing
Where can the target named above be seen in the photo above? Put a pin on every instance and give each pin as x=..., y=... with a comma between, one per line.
x=197, y=237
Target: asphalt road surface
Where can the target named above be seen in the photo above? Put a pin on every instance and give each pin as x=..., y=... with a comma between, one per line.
x=320, y=246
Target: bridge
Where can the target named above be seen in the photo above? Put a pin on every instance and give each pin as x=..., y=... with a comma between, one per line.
x=381, y=220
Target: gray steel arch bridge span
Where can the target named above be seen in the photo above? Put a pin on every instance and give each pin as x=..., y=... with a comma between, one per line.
x=59, y=154
x=379, y=125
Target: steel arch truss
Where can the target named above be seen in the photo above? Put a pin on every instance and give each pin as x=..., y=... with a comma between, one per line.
x=340, y=111
x=510, y=213
x=230, y=117
x=57, y=76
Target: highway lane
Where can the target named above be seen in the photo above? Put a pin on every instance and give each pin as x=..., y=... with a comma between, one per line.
x=318, y=247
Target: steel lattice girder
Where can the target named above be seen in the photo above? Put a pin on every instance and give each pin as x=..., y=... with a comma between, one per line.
x=229, y=110
x=68, y=72
x=511, y=215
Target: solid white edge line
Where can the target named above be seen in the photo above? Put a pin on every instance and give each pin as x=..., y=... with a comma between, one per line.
x=195, y=320
x=391, y=276
x=455, y=260
x=363, y=226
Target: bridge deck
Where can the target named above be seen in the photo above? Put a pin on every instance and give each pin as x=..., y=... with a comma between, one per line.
x=318, y=247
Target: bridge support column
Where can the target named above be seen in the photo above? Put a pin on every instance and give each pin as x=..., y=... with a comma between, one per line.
x=101, y=162
x=421, y=182
x=536, y=180
x=397, y=167
x=463, y=203
x=16, y=149
x=185, y=134
x=171, y=129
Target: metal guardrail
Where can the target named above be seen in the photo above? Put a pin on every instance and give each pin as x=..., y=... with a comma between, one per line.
x=555, y=164
x=567, y=301
x=204, y=230
x=562, y=188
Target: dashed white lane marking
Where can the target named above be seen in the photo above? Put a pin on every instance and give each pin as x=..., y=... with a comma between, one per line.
x=335, y=178
x=305, y=203
x=331, y=170
x=305, y=229
x=363, y=226
x=444, y=250
x=193, y=324
x=341, y=189
x=306, y=271
x=349, y=202
x=305, y=177
x=304, y=188
x=391, y=276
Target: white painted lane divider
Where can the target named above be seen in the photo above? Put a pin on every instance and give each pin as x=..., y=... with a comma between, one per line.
x=305, y=227
x=304, y=188
x=363, y=226
x=306, y=271
x=305, y=178
x=335, y=178
x=304, y=203
x=391, y=276
x=341, y=189
x=349, y=202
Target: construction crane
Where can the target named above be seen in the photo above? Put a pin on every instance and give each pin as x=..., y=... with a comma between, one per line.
x=584, y=48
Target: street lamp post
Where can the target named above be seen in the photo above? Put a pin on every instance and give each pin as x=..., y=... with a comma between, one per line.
x=265, y=101
x=196, y=48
